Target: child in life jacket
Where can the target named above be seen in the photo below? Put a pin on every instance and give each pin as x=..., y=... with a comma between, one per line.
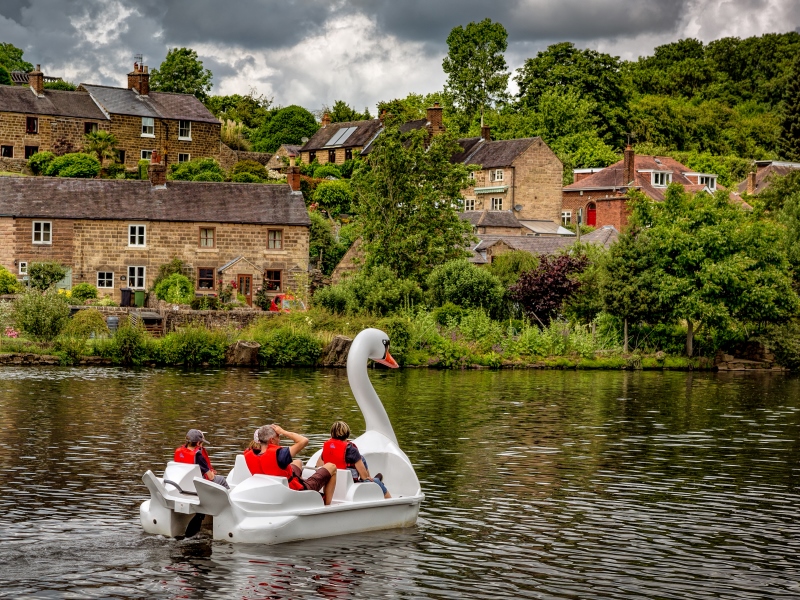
x=193, y=453
x=345, y=455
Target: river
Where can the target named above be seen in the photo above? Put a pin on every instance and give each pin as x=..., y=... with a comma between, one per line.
x=539, y=484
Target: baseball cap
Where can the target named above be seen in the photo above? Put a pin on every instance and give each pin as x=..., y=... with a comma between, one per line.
x=194, y=436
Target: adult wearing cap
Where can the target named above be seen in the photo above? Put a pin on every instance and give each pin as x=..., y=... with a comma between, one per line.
x=193, y=453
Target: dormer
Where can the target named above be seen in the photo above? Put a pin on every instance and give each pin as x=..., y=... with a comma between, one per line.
x=659, y=178
x=707, y=179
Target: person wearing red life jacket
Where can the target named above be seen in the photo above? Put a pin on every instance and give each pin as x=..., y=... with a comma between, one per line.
x=345, y=455
x=266, y=456
x=192, y=452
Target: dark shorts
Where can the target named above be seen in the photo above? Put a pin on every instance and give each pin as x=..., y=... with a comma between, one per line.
x=317, y=481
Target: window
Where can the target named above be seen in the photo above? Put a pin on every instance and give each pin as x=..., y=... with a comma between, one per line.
x=272, y=281
x=185, y=130
x=6, y=151
x=497, y=175
x=205, y=278
x=32, y=125
x=105, y=279
x=136, y=277
x=147, y=154
x=711, y=182
x=332, y=156
x=312, y=156
x=184, y=157
x=348, y=153
x=472, y=175
x=42, y=232
x=207, y=237
x=136, y=235
x=566, y=217
x=469, y=203
x=30, y=151
x=89, y=128
x=148, y=127
x=121, y=157
x=275, y=239
x=497, y=204
x=23, y=268
x=662, y=179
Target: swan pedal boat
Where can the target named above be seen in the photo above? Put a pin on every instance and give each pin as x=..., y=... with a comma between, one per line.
x=262, y=509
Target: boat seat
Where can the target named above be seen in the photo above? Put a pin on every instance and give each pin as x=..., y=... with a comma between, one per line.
x=182, y=474
x=239, y=473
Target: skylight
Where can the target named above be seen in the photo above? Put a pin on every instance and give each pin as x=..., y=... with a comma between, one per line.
x=341, y=136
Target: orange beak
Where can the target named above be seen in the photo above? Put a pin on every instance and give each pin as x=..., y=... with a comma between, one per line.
x=388, y=361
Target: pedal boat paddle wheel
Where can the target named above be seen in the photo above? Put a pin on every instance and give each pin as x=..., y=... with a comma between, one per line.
x=262, y=509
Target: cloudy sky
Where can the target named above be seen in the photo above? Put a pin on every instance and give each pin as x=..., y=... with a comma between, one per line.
x=312, y=52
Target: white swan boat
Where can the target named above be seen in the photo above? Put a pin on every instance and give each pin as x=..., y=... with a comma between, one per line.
x=262, y=509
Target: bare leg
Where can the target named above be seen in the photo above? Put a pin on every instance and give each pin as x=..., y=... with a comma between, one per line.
x=331, y=485
x=298, y=463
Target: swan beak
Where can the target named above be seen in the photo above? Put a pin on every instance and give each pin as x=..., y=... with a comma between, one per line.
x=388, y=361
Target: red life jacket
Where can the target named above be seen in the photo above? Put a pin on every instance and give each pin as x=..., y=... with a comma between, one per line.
x=268, y=461
x=185, y=455
x=335, y=451
x=251, y=458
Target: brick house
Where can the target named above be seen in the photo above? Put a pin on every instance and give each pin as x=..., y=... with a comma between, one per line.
x=601, y=195
x=116, y=233
x=285, y=152
x=759, y=180
x=336, y=142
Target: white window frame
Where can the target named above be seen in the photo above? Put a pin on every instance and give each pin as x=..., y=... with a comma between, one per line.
x=134, y=278
x=186, y=138
x=710, y=182
x=146, y=155
x=498, y=175
x=661, y=179
x=566, y=217
x=42, y=231
x=469, y=204
x=186, y=154
x=140, y=231
x=148, y=127
x=497, y=204
x=472, y=175
x=23, y=267
x=105, y=280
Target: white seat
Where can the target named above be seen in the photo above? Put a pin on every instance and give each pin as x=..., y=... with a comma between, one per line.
x=239, y=473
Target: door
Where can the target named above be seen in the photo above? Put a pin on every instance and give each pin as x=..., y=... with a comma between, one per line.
x=591, y=215
x=246, y=287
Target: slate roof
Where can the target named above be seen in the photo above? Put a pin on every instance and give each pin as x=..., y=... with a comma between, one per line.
x=490, y=218
x=767, y=169
x=363, y=135
x=55, y=102
x=188, y=201
x=542, y=226
x=496, y=153
x=163, y=105
x=604, y=236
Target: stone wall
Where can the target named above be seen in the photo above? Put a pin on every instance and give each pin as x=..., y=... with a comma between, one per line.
x=323, y=158
x=56, y=134
x=212, y=318
x=60, y=250
x=14, y=165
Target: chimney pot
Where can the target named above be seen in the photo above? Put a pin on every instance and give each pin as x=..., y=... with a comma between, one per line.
x=139, y=80
x=486, y=133
x=751, y=182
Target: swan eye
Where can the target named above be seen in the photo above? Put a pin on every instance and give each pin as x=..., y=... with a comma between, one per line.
x=385, y=347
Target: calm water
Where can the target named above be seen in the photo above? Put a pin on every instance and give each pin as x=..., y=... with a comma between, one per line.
x=539, y=485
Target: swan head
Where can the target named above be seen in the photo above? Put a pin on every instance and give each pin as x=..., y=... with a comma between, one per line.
x=376, y=344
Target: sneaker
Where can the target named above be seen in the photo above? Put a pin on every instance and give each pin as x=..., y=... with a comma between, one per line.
x=379, y=476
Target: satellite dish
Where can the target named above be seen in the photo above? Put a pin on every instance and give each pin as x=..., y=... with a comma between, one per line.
x=304, y=139
x=518, y=207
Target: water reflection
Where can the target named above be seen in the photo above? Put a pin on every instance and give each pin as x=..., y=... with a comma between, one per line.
x=539, y=484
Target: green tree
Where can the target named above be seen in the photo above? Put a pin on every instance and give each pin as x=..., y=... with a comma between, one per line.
x=287, y=126
x=477, y=75
x=101, y=144
x=183, y=73
x=44, y=275
x=406, y=194
x=251, y=110
x=65, y=86
x=461, y=283
x=334, y=196
x=507, y=267
x=342, y=112
x=5, y=76
x=11, y=58
x=42, y=315
x=790, y=127
x=197, y=169
x=8, y=282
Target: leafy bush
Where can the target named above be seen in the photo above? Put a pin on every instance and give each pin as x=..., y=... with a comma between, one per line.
x=39, y=162
x=176, y=265
x=114, y=170
x=42, y=315
x=43, y=275
x=333, y=298
x=246, y=178
x=60, y=84
x=448, y=314
x=198, y=167
x=327, y=170
x=334, y=196
x=377, y=292
x=507, y=267
x=142, y=166
x=284, y=347
x=87, y=323
x=8, y=282
x=175, y=288
x=543, y=290
x=83, y=292
x=251, y=167
x=400, y=337
x=75, y=164
x=193, y=346
x=129, y=345
x=465, y=285
x=476, y=326
x=205, y=302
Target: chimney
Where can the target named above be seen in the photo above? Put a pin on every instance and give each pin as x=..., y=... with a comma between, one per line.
x=326, y=120
x=435, y=122
x=486, y=133
x=36, y=80
x=293, y=178
x=157, y=171
x=139, y=79
x=629, y=169
x=751, y=183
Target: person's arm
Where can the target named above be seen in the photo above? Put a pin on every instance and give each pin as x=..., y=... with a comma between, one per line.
x=200, y=461
x=363, y=473
x=300, y=442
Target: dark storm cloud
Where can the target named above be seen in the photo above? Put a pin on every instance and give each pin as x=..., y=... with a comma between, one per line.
x=12, y=9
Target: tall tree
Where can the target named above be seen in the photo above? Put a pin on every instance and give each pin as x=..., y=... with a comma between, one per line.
x=183, y=73
x=5, y=77
x=789, y=142
x=11, y=58
x=476, y=68
x=287, y=126
x=406, y=198
x=251, y=110
x=342, y=112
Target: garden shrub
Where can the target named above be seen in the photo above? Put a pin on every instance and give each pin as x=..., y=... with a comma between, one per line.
x=466, y=285
x=205, y=303
x=83, y=292
x=193, y=346
x=175, y=289
x=284, y=347
x=42, y=315
x=507, y=267
x=251, y=167
x=114, y=170
x=209, y=176
x=448, y=314
x=476, y=326
x=531, y=342
x=326, y=170
x=176, y=265
x=87, y=323
x=39, y=162
x=44, y=275
x=190, y=170
x=334, y=196
x=246, y=178
x=334, y=298
x=75, y=164
x=377, y=292
x=129, y=345
x=8, y=282
x=399, y=331
x=143, y=167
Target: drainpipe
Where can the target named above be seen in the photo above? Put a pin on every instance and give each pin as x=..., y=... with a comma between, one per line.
x=513, y=188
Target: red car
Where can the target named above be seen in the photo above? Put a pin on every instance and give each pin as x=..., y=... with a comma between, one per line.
x=286, y=303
